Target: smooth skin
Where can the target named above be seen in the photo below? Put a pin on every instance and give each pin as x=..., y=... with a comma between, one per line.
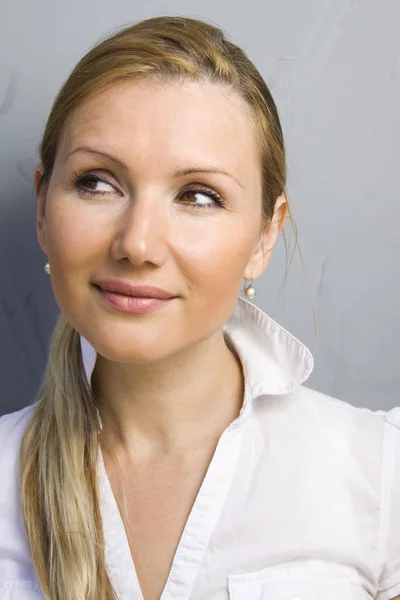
x=166, y=382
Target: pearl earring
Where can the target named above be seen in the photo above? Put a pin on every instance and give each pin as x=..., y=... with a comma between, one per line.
x=47, y=268
x=250, y=291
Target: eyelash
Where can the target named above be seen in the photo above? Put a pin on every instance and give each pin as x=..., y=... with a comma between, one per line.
x=80, y=179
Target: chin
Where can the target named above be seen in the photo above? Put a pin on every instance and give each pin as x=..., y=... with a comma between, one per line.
x=132, y=348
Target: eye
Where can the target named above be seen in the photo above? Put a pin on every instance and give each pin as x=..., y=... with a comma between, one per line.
x=202, y=198
x=197, y=197
x=92, y=185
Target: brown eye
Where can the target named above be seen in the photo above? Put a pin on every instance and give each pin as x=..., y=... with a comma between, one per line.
x=201, y=198
x=92, y=185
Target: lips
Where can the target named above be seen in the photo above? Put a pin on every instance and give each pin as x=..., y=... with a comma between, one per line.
x=125, y=288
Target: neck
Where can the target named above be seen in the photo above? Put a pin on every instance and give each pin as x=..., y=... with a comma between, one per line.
x=163, y=408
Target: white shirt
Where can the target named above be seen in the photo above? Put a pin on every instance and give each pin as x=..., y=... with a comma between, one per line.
x=301, y=500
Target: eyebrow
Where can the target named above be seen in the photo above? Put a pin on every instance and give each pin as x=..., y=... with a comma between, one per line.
x=180, y=173
x=93, y=151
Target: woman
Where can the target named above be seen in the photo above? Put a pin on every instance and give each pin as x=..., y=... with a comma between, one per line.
x=174, y=451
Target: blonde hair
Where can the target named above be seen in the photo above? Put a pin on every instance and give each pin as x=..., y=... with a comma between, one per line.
x=59, y=451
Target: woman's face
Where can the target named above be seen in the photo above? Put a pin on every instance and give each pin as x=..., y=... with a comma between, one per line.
x=161, y=185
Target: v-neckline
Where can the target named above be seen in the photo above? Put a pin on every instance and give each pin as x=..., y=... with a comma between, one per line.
x=195, y=537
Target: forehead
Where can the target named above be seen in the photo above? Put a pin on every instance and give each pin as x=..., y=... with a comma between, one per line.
x=167, y=123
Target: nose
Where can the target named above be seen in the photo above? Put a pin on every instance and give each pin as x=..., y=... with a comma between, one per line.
x=142, y=231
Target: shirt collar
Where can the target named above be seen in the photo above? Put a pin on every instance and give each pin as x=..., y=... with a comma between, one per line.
x=274, y=361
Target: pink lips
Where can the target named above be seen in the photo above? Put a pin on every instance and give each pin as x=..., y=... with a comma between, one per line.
x=135, y=299
x=140, y=291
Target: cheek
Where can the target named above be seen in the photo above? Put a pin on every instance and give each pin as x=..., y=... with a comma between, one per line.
x=73, y=235
x=74, y=245
x=212, y=267
x=210, y=252
x=214, y=262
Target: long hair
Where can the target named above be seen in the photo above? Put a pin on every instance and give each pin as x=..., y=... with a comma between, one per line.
x=59, y=451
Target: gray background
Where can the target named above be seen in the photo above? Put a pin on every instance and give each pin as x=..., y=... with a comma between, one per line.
x=334, y=69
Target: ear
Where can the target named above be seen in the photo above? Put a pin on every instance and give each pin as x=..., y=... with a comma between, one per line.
x=269, y=234
x=41, y=209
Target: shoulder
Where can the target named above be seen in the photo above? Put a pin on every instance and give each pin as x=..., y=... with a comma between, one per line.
x=12, y=427
x=338, y=412
x=350, y=438
x=362, y=429
x=369, y=438
x=321, y=400
x=15, y=564
x=389, y=524
x=393, y=417
x=10, y=421
x=370, y=424
x=315, y=410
